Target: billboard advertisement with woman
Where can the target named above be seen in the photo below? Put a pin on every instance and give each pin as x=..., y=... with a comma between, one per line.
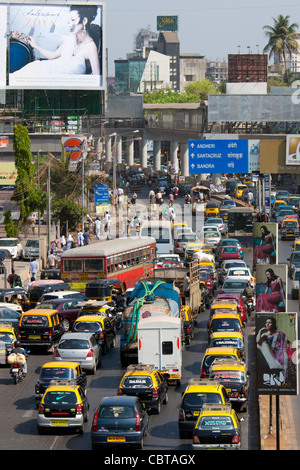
x=276, y=353
x=271, y=284
x=265, y=237
x=55, y=45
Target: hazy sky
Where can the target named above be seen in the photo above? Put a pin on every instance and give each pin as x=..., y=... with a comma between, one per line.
x=212, y=28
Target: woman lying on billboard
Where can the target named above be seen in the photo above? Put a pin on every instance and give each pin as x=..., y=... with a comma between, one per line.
x=78, y=53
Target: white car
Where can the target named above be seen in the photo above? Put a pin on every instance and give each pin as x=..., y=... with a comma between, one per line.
x=211, y=238
x=69, y=294
x=295, y=284
x=243, y=272
x=13, y=246
x=12, y=306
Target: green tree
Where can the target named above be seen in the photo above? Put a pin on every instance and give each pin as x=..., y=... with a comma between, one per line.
x=10, y=227
x=201, y=89
x=27, y=194
x=68, y=212
x=281, y=39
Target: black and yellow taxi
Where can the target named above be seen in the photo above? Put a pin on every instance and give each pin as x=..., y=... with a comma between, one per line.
x=289, y=228
x=7, y=341
x=40, y=328
x=53, y=370
x=102, y=328
x=63, y=405
x=92, y=307
x=188, y=323
x=197, y=393
x=225, y=321
x=229, y=339
x=213, y=353
x=218, y=427
x=234, y=376
x=146, y=383
x=239, y=190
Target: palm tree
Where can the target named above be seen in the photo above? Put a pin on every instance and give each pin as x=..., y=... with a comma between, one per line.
x=282, y=39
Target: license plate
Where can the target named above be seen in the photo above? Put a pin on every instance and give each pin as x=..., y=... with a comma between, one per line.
x=116, y=439
x=59, y=423
x=15, y=370
x=34, y=337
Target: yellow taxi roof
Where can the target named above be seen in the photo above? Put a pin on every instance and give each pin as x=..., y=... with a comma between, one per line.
x=58, y=364
x=228, y=365
x=204, y=384
x=221, y=350
x=7, y=328
x=224, y=305
x=226, y=334
x=91, y=317
x=226, y=315
x=62, y=386
x=39, y=311
x=279, y=201
x=210, y=409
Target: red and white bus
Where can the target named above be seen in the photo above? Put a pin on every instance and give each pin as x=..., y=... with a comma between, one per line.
x=128, y=259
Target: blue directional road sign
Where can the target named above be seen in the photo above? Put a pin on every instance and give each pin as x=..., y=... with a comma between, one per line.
x=218, y=156
x=101, y=194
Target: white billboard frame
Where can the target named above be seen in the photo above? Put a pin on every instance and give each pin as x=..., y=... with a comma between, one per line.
x=48, y=24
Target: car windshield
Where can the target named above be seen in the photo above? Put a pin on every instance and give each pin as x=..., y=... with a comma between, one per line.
x=211, y=423
x=137, y=381
x=57, y=373
x=7, y=338
x=238, y=285
x=214, y=220
x=88, y=327
x=7, y=313
x=116, y=412
x=74, y=344
x=225, y=324
x=60, y=398
x=8, y=242
x=211, y=235
x=32, y=243
x=187, y=238
x=198, y=399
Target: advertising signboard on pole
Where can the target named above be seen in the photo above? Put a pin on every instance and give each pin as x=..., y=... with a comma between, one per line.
x=276, y=353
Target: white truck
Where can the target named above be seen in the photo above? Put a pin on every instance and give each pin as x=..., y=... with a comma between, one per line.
x=160, y=344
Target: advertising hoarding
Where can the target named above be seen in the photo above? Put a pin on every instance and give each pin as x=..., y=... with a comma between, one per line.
x=74, y=148
x=218, y=156
x=276, y=353
x=271, y=287
x=53, y=45
x=292, y=150
x=265, y=243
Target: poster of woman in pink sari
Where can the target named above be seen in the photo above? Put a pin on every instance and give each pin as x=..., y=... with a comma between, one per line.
x=271, y=288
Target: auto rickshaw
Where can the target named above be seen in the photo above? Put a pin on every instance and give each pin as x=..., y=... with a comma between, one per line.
x=104, y=289
x=15, y=296
x=199, y=194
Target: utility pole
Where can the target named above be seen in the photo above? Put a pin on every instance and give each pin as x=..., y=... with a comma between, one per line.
x=49, y=209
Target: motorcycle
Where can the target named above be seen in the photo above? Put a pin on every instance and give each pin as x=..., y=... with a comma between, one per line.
x=188, y=199
x=16, y=373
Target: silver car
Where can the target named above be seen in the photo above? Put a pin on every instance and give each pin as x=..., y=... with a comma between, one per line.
x=217, y=222
x=295, y=284
x=212, y=238
x=79, y=347
x=32, y=249
x=181, y=242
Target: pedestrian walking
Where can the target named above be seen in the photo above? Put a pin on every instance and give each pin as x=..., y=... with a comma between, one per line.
x=51, y=260
x=34, y=267
x=63, y=242
x=69, y=241
x=86, y=237
x=80, y=238
x=98, y=228
x=11, y=278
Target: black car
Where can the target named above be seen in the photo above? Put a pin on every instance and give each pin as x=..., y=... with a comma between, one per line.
x=119, y=420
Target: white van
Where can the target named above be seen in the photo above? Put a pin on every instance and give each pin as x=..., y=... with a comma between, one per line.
x=161, y=231
x=159, y=343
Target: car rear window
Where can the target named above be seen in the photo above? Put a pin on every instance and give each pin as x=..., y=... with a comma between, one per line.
x=225, y=324
x=35, y=320
x=227, y=342
x=88, y=327
x=228, y=376
x=137, y=382
x=60, y=398
x=113, y=412
x=198, y=399
x=212, y=422
x=57, y=373
x=74, y=344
